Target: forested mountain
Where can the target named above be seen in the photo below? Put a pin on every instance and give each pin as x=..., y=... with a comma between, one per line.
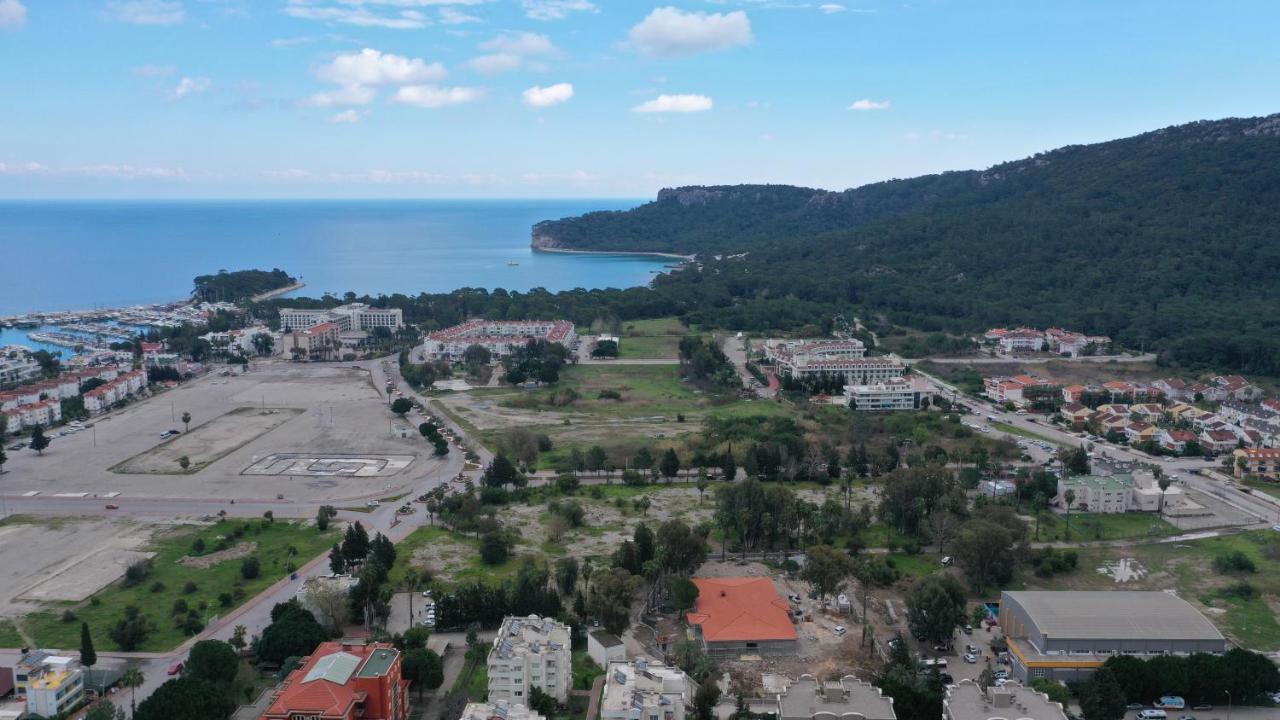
x=1168, y=240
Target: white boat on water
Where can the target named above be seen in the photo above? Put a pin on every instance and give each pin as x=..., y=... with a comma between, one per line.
x=512, y=263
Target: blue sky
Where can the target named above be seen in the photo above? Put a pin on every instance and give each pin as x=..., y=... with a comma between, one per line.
x=591, y=98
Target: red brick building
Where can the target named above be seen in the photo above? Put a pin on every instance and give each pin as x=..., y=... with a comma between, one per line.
x=344, y=681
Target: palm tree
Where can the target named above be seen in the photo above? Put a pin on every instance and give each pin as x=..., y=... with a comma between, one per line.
x=1037, y=499
x=702, y=485
x=186, y=422
x=410, y=583
x=1070, y=497
x=132, y=678
x=1164, y=482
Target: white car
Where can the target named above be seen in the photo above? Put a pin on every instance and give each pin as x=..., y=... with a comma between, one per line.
x=372, y=504
x=840, y=630
x=970, y=658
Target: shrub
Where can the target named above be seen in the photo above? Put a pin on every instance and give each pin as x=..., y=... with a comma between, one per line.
x=137, y=572
x=1234, y=563
x=68, y=616
x=189, y=588
x=197, y=547
x=1241, y=590
x=493, y=549
x=610, y=395
x=180, y=607
x=250, y=568
x=224, y=599
x=157, y=587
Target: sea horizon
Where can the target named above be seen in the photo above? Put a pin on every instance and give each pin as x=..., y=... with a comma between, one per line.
x=90, y=253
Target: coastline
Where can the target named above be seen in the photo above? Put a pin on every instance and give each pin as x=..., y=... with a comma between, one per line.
x=278, y=292
x=674, y=256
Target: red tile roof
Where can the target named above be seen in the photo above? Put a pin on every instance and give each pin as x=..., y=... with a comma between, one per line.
x=741, y=609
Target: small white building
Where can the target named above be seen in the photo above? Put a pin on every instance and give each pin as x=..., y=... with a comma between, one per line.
x=605, y=647
x=55, y=687
x=530, y=652
x=643, y=690
x=898, y=393
x=499, y=710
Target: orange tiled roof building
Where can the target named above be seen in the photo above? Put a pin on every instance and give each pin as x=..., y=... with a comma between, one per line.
x=742, y=616
x=344, y=681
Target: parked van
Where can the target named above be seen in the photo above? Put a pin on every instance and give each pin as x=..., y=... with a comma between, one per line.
x=1152, y=715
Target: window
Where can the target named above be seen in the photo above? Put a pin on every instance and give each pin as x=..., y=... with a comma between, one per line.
x=1038, y=672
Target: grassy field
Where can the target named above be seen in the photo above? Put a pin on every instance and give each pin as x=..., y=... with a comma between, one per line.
x=450, y=552
x=1188, y=569
x=654, y=326
x=1015, y=430
x=1103, y=526
x=650, y=346
x=9, y=635
x=278, y=546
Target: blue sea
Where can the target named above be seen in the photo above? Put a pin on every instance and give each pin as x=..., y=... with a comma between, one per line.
x=76, y=255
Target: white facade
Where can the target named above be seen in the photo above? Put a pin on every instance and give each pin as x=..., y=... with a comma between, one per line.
x=641, y=690
x=530, y=652
x=499, y=710
x=17, y=367
x=354, y=316
x=499, y=337
x=893, y=394
x=604, y=648
x=56, y=687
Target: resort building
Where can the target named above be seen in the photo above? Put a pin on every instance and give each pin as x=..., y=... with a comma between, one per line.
x=844, y=699
x=1066, y=635
x=344, y=681
x=786, y=352
x=1263, y=462
x=643, y=690
x=893, y=394
x=354, y=316
x=318, y=342
x=530, y=652
x=968, y=701
x=499, y=337
x=742, y=616
x=499, y=710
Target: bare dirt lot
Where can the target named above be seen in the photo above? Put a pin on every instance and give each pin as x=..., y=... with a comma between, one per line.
x=209, y=442
x=66, y=559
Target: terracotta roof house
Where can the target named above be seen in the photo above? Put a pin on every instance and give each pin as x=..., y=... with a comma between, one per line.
x=344, y=681
x=742, y=616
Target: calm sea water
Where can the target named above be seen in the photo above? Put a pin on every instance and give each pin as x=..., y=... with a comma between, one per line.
x=76, y=255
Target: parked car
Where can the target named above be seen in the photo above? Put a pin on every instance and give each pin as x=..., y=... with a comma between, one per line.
x=946, y=561
x=372, y=504
x=970, y=658
x=1205, y=706
x=1170, y=702
x=840, y=630
x=17, y=446
x=112, y=506
x=175, y=668
x=1152, y=714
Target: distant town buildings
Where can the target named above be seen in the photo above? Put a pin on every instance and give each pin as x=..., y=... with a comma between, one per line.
x=1066, y=635
x=353, y=316
x=344, y=681
x=530, y=652
x=642, y=690
x=40, y=402
x=894, y=394
x=742, y=616
x=1055, y=340
x=969, y=701
x=499, y=337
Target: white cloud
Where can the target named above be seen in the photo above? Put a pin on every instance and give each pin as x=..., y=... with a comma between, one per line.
x=346, y=117
x=831, y=8
x=349, y=95
x=496, y=63
x=869, y=104
x=520, y=43
x=554, y=9
x=671, y=32
x=155, y=71
x=371, y=67
x=353, y=13
x=452, y=16
x=13, y=14
x=190, y=86
x=377, y=177
x=431, y=96
x=540, y=97
x=675, y=104
x=148, y=12
x=27, y=168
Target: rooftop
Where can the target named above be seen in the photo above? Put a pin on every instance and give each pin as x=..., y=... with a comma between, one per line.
x=501, y=710
x=531, y=634
x=742, y=608
x=807, y=697
x=968, y=701
x=1113, y=614
x=325, y=683
x=639, y=682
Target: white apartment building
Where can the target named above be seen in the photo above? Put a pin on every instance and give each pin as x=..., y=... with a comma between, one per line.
x=643, y=690
x=354, y=316
x=968, y=701
x=893, y=394
x=499, y=337
x=499, y=710
x=53, y=686
x=17, y=367
x=854, y=370
x=786, y=351
x=530, y=652
x=1124, y=492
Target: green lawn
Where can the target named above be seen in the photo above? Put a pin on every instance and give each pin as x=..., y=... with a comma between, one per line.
x=1270, y=488
x=9, y=635
x=476, y=685
x=1015, y=430
x=585, y=670
x=1102, y=526
x=650, y=346
x=654, y=326
x=916, y=566
x=279, y=546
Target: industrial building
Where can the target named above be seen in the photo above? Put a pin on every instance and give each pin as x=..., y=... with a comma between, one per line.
x=1066, y=635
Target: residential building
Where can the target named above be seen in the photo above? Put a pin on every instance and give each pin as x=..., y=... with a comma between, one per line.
x=499, y=337
x=1138, y=491
x=742, y=616
x=968, y=701
x=1013, y=389
x=1066, y=635
x=1075, y=413
x=530, y=652
x=1024, y=339
x=848, y=697
x=1263, y=462
x=1176, y=440
x=894, y=394
x=1173, y=388
x=1218, y=441
x=318, y=342
x=853, y=370
x=605, y=647
x=16, y=366
x=1236, y=387
x=1073, y=393
x=344, y=681
x=52, y=684
x=499, y=710
x=643, y=690
x=353, y=316
x=787, y=354
x=1139, y=432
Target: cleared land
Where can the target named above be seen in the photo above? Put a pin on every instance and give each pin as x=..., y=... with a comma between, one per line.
x=279, y=548
x=341, y=415
x=209, y=442
x=329, y=465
